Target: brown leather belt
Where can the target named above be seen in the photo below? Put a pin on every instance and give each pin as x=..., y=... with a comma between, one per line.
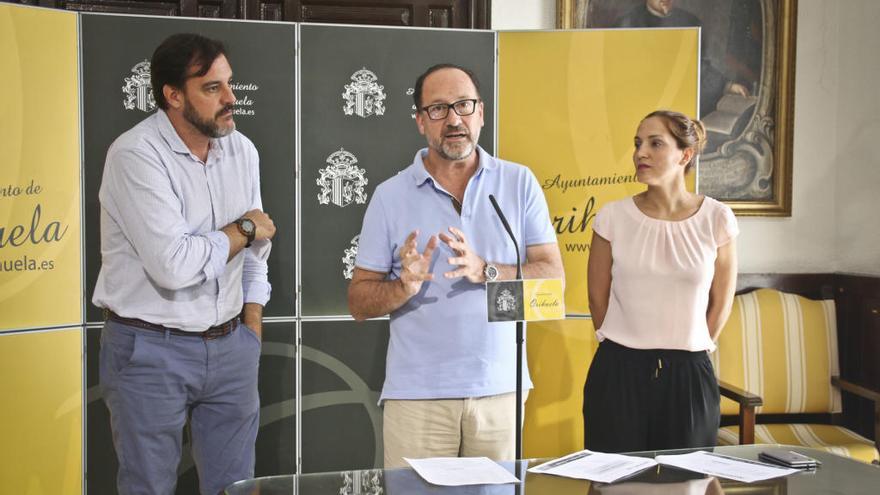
x=209, y=334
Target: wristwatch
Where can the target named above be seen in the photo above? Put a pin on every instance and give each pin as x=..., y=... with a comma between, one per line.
x=248, y=228
x=490, y=271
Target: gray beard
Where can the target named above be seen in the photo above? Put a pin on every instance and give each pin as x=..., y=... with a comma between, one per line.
x=461, y=155
x=207, y=127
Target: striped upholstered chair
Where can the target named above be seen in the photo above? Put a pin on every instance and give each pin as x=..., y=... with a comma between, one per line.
x=778, y=355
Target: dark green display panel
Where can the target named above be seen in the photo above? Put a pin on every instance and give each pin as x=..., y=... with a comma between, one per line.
x=356, y=105
x=262, y=56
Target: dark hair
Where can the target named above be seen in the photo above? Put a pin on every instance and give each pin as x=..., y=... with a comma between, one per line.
x=687, y=132
x=417, y=94
x=172, y=60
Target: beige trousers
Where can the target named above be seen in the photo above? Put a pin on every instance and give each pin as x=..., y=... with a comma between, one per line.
x=472, y=427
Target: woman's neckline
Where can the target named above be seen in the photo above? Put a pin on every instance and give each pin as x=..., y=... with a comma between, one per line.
x=691, y=216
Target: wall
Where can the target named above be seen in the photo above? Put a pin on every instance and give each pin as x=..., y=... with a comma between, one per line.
x=834, y=224
x=806, y=241
x=524, y=14
x=858, y=132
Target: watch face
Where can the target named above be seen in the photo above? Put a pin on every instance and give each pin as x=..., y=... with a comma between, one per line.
x=491, y=273
x=247, y=225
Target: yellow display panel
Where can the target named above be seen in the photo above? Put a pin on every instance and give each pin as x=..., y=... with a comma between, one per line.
x=40, y=241
x=41, y=418
x=568, y=107
x=559, y=354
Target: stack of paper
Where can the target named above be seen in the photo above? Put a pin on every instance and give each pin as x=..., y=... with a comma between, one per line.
x=724, y=466
x=595, y=466
x=459, y=471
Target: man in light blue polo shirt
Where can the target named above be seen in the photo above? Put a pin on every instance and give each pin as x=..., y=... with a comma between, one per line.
x=429, y=242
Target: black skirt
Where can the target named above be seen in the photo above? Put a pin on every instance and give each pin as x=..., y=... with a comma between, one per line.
x=650, y=399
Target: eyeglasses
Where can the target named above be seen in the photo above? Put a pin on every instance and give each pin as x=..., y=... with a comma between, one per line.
x=462, y=108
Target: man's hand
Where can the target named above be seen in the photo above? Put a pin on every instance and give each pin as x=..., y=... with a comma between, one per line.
x=265, y=225
x=415, y=267
x=470, y=265
x=252, y=316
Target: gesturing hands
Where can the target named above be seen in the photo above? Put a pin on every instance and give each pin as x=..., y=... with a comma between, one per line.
x=415, y=266
x=470, y=265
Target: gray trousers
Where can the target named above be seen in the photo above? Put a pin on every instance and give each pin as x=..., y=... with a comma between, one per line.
x=152, y=382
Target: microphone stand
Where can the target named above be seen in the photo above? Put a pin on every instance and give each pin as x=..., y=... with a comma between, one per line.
x=519, y=339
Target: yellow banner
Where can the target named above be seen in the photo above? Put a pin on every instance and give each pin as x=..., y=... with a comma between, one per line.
x=41, y=418
x=569, y=104
x=40, y=240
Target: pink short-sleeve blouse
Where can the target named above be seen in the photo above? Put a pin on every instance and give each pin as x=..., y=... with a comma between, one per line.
x=661, y=273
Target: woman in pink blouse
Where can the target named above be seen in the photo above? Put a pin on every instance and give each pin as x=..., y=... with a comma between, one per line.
x=662, y=274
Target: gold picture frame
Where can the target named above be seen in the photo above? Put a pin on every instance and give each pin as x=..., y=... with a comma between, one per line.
x=749, y=167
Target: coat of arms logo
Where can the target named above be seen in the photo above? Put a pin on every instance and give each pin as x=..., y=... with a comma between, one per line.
x=138, y=90
x=364, y=96
x=348, y=258
x=505, y=302
x=368, y=482
x=342, y=181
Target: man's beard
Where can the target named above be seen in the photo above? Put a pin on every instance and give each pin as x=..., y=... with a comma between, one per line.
x=457, y=151
x=209, y=128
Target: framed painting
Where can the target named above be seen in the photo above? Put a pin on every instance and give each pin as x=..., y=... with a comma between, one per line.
x=747, y=67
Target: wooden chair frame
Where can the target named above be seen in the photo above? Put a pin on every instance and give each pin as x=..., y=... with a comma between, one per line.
x=749, y=401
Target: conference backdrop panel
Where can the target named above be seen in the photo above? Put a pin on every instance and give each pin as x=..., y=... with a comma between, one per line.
x=358, y=129
x=343, y=368
x=41, y=418
x=40, y=233
x=276, y=440
x=569, y=105
x=116, y=53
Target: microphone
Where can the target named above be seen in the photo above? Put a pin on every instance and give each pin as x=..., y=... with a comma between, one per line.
x=510, y=233
x=520, y=338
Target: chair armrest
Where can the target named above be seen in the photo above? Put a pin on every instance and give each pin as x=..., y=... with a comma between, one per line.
x=859, y=390
x=866, y=393
x=747, y=404
x=744, y=397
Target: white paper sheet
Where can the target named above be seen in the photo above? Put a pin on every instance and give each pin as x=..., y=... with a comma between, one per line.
x=724, y=466
x=459, y=471
x=595, y=466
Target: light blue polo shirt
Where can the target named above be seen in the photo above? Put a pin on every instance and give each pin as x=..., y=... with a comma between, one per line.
x=441, y=344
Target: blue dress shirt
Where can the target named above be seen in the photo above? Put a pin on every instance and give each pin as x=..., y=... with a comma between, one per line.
x=164, y=258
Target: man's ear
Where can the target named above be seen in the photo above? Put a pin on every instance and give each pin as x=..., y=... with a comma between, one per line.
x=420, y=122
x=173, y=96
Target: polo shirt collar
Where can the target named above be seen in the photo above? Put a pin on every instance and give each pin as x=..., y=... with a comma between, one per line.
x=420, y=174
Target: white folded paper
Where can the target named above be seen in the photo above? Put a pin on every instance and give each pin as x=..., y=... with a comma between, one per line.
x=595, y=466
x=459, y=471
x=725, y=466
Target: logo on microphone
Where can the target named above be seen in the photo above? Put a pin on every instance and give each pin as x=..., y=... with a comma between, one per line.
x=505, y=302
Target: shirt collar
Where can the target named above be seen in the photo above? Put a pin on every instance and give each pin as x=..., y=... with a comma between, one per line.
x=420, y=174
x=170, y=135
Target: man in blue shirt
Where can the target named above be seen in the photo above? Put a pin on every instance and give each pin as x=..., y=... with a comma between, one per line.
x=184, y=243
x=430, y=240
